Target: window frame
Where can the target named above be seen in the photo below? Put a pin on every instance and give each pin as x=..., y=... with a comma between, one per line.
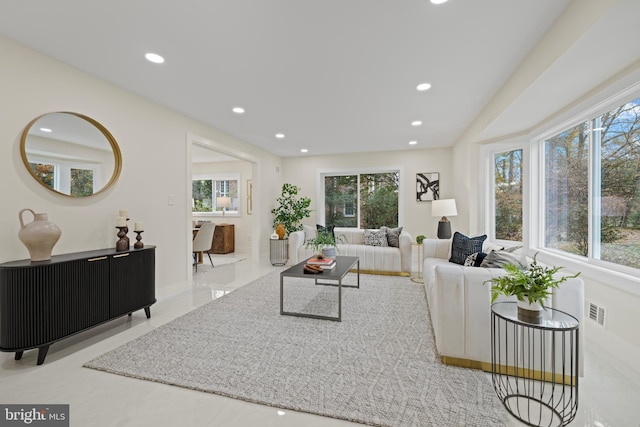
x=322, y=173
x=488, y=188
x=220, y=177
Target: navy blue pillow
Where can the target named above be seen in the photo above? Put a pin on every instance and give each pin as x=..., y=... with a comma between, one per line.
x=328, y=229
x=463, y=246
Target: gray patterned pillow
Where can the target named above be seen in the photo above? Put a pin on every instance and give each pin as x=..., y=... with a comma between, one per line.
x=393, y=236
x=498, y=259
x=375, y=238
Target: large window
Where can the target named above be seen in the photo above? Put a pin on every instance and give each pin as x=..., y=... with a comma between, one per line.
x=363, y=200
x=508, y=195
x=600, y=220
x=207, y=189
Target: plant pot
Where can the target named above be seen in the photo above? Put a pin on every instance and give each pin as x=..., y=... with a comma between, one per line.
x=531, y=313
x=329, y=251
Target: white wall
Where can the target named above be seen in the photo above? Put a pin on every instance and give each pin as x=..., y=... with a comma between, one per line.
x=242, y=223
x=304, y=171
x=156, y=161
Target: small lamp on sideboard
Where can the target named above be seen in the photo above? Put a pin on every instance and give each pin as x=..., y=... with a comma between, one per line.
x=444, y=208
x=224, y=203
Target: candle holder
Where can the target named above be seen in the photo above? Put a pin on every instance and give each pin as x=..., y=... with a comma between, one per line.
x=123, y=243
x=126, y=231
x=138, y=244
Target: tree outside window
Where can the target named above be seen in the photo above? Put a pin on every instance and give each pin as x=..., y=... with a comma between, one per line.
x=508, y=195
x=368, y=200
x=612, y=142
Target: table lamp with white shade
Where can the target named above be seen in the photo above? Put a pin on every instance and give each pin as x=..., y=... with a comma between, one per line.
x=444, y=208
x=224, y=203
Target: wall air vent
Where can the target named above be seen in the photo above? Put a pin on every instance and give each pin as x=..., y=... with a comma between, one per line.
x=597, y=313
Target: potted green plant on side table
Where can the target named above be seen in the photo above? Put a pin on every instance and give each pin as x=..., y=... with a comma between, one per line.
x=531, y=285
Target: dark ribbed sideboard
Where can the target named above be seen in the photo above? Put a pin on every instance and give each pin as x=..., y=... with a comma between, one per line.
x=46, y=301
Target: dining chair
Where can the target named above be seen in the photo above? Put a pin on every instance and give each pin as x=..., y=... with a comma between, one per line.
x=202, y=242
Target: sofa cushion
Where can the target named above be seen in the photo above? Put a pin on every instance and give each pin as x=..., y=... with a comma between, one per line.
x=393, y=236
x=375, y=238
x=463, y=246
x=309, y=232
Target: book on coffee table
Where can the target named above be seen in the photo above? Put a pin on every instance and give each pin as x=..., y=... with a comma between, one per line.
x=323, y=261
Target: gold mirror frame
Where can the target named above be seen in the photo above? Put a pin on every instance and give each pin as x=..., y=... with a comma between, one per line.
x=115, y=149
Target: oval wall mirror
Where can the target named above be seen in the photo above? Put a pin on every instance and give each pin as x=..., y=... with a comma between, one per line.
x=70, y=154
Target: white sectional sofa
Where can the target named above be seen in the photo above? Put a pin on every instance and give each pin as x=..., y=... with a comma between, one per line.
x=373, y=259
x=460, y=305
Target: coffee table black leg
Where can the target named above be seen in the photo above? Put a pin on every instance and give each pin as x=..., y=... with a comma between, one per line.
x=340, y=300
x=281, y=296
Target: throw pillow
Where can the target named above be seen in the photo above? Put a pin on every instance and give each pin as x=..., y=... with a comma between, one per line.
x=375, y=238
x=474, y=260
x=393, y=236
x=463, y=246
x=328, y=229
x=498, y=259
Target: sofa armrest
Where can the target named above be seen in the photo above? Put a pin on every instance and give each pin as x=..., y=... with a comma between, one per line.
x=296, y=241
x=405, y=251
x=436, y=248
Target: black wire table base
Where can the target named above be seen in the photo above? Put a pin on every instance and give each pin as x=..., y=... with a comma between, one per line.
x=535, y=365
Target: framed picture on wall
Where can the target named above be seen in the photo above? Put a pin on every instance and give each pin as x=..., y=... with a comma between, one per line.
x=427, y=186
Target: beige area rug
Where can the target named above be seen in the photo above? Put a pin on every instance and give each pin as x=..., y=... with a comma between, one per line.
x=378, y=366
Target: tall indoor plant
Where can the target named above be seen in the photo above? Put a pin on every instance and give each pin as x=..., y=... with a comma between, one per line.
x=291, y=209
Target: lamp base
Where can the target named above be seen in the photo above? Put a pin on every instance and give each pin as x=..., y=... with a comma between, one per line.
x=444, y=230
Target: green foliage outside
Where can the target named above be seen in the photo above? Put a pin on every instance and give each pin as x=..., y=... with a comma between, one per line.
x=81, y=182
x=202, y=195
x=616, y=135
x=377, y=194
x=43, y=172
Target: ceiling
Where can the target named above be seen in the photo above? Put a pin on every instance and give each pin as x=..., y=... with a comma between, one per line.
x=334, y=76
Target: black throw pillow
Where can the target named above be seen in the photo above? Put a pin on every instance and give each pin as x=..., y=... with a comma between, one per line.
x=463, y=246
x=328, y=229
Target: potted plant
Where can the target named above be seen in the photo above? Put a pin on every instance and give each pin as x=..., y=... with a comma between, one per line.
x=531, y=285
x=291, y=209
x=324, y=243
x=420, y=238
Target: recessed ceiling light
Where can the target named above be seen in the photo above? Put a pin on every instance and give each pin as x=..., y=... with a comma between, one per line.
x=279, y=135
x=154, y=57
x=45, y=129
x=438, y=1
x=413, y=142
x=423, y=86
x=416, y=123
x=304, y=150
x=238, y=110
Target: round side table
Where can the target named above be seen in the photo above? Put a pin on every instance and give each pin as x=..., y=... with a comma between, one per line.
x=534, y=366
x=279, y=251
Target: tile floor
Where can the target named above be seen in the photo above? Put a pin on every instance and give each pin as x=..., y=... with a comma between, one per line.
x=609, y=392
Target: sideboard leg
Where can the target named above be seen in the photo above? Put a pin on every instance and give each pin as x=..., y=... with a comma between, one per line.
x=147, y=311
x=42, y=353
x=18, y=355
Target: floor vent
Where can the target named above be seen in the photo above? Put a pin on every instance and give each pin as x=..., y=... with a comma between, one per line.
x=596, y=313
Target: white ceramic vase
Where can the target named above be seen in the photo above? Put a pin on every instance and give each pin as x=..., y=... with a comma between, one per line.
x=39, y=236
